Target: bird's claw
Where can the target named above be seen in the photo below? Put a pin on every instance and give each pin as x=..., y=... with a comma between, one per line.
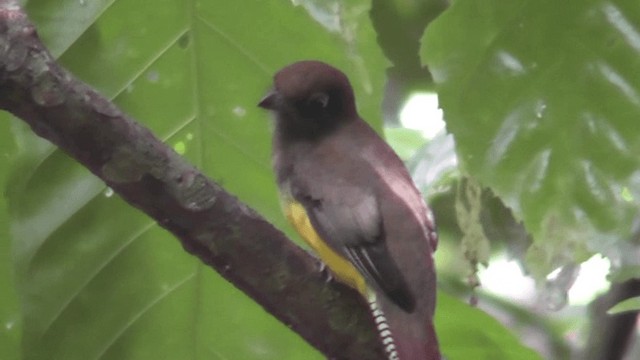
x=325, y=271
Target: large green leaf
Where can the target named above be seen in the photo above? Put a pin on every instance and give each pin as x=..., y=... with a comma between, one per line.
x=543, y=99
x=98, y=279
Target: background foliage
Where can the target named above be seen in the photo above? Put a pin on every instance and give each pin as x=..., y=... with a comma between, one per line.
x=553, y=95
x=540, y=97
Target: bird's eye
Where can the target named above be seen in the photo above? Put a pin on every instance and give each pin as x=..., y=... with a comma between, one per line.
x=317, y=106
x=318, y=101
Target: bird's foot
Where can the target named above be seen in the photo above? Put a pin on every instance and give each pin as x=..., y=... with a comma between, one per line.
x=325, y=271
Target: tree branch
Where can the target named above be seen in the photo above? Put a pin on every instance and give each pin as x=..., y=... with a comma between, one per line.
x=210, y=223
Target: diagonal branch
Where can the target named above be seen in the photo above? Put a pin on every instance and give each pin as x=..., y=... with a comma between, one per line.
x=209, y=222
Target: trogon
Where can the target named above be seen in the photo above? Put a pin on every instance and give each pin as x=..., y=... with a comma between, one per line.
x=353, y=201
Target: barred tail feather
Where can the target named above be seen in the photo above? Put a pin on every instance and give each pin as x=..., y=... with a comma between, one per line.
x=404, y=336
x=383, y=329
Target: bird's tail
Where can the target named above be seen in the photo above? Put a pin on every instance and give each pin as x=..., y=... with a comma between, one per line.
x=404, y=336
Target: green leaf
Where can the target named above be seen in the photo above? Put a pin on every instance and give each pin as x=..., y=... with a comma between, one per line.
x=405, y=142
x=77, y=17
x=543, y=100
x=98, y=279
x=466, y=332
x=624, y=273
x=10, y=324
x=632, y=304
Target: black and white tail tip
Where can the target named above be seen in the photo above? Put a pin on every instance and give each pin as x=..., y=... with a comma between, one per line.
x=383, y=330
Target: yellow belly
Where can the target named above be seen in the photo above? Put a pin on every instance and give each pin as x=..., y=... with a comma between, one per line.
x=343, y=270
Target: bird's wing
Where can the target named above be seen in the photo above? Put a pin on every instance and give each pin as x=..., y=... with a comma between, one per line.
x=348, y=219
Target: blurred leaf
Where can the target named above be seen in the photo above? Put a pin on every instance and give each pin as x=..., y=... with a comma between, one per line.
x=434, y=167
x=625, y=273
x=405, y=142
x=466, y=332
x=501, y=227
x=98, y=279
x=543, y=101
x=10, y=325
x=77, y=17
x=632, y=304
x=400, y=25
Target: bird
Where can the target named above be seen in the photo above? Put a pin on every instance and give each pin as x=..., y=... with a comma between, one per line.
x=352, y=200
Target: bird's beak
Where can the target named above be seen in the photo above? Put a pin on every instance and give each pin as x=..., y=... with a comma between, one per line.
x=269, y=101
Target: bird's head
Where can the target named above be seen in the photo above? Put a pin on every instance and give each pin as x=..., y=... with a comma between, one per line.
x=310, y=98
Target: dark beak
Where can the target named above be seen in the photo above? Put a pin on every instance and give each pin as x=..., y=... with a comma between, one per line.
x=269, y=101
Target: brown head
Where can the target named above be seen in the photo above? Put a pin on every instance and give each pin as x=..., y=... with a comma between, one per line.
x=310, y=98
